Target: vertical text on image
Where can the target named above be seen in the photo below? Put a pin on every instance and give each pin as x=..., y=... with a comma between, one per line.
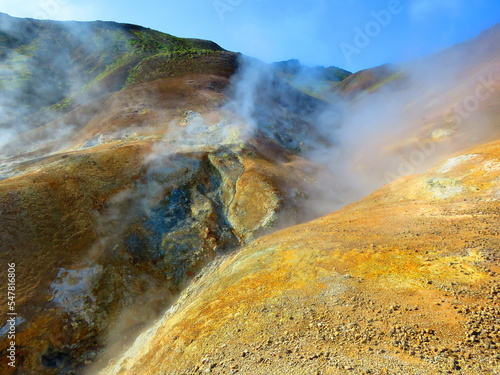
x=11, y=314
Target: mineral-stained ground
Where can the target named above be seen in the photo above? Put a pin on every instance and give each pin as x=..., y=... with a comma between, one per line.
x=176, y=208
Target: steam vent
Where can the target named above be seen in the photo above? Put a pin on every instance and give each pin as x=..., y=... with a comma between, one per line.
x=169, y=207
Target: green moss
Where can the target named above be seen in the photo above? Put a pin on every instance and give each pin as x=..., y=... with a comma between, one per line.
x=164, y=64
x=384, y=82
x=63, y=104
x=51, y=66
x=315, y=88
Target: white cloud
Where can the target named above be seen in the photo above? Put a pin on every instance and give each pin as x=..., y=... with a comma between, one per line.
x=50, y=9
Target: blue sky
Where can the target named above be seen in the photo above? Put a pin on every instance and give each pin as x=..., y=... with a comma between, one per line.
x=352, y=34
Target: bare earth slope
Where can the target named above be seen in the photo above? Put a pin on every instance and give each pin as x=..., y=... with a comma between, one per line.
x=154, y=164
x=405, y=281
x=106, y=232
x=112, y=207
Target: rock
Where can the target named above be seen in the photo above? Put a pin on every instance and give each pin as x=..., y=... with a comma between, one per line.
x=306, y=296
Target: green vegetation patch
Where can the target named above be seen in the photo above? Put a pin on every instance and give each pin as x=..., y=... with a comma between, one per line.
x=56, y=65
x=384, y=82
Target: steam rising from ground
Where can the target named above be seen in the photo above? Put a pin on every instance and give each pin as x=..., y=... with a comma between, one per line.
x=359, y=140
x=420, y=115
x=360, y=143
x=44, y=67
x=366, y=140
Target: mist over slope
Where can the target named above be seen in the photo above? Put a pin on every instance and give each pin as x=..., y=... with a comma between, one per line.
x=405, y=281
x=380, y=124
x=110, y=204
x=131, y=159
x=48, y=68
x=402, y=119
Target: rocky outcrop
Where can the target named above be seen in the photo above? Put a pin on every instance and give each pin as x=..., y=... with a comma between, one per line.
x=404, y=281
x=104, y=238
x=112, y=207
x=109, y=210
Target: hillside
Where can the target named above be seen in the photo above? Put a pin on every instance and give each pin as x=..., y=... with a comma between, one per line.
x=316, y=81
x=149, y=179
x=470, y=54
x=113, y=205
x=59, y=65
x=406, y=281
